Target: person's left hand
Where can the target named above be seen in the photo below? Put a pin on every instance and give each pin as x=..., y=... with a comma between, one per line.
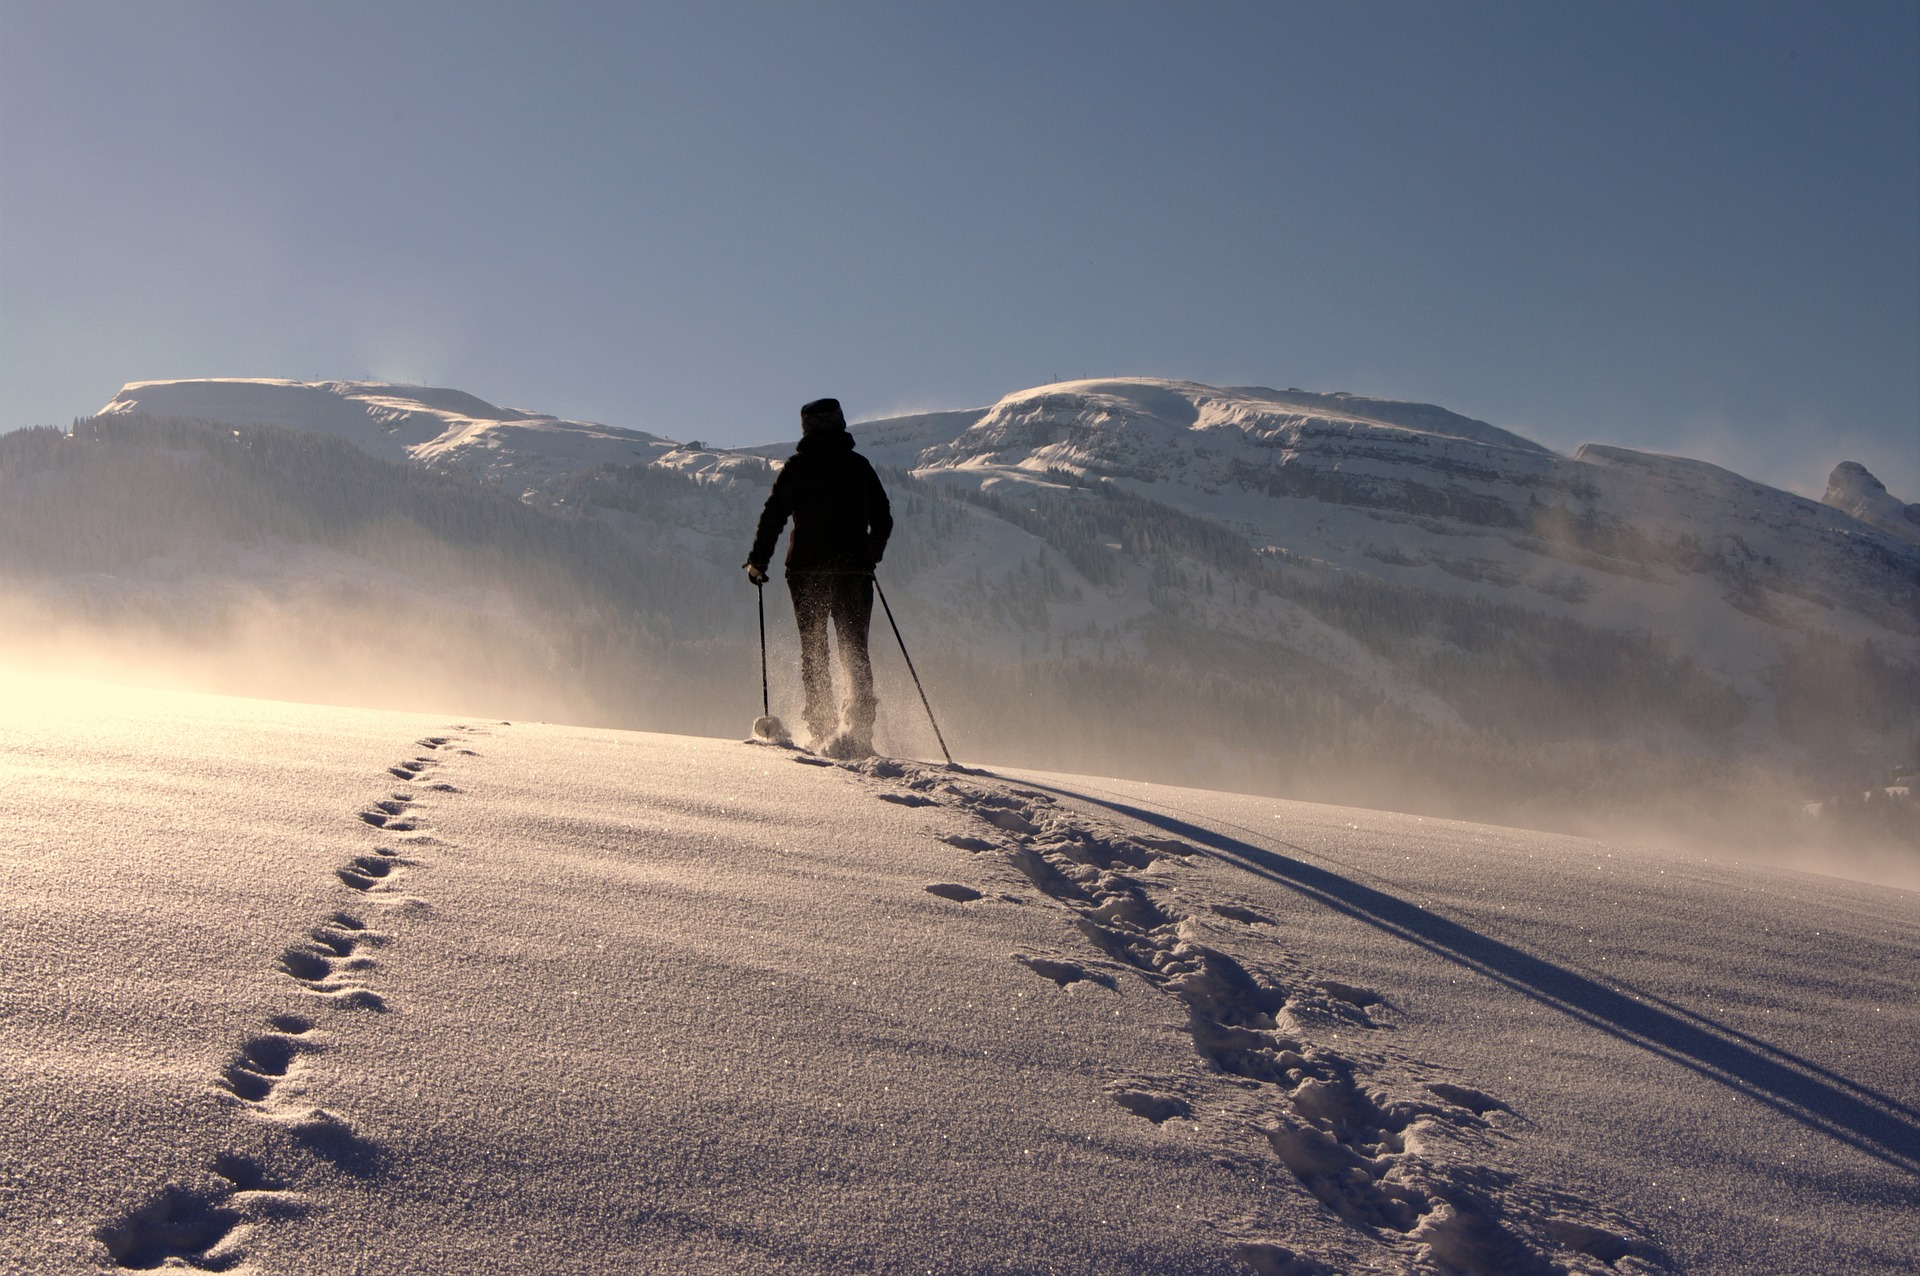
x=756, y=573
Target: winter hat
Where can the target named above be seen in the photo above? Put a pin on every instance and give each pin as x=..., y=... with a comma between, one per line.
x=822, y=415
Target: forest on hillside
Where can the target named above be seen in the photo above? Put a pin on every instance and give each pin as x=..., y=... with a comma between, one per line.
x=274, y=562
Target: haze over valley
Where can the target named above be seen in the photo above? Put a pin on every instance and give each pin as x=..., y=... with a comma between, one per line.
x=1312, y=595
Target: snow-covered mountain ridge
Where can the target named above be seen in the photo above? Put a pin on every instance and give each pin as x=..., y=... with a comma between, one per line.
x=1852, y=489
x=1406, y=485
x=443, y=428
x=1407, y=492
x=1330, y=552
x=1719, y=567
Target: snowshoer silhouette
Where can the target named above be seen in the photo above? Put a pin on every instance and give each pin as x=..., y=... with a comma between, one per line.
x=841, y=522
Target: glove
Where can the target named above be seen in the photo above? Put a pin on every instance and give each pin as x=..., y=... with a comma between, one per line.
x=756, y=573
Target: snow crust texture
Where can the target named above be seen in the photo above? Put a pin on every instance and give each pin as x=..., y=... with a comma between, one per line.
x=298, y=990
x=210, y=1228
x=1412, y=1160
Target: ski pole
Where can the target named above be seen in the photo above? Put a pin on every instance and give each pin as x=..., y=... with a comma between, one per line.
x=760, y=591
x=916, y=674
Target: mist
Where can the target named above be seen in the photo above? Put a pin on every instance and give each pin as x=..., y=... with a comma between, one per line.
x=478, y=651
x=269, y=563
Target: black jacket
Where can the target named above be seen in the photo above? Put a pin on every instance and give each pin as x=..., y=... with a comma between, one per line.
x=841, y=519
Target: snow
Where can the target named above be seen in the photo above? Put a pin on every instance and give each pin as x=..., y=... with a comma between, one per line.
x=398, y=423
x=1253, y=410
x=1853, y=489
x=1420, y=496
x=1719, y=567
x=299, y=989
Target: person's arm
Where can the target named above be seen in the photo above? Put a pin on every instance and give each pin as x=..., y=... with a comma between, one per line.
x=879, y=516
x=778, y=509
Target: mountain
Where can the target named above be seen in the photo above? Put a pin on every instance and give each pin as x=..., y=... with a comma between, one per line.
x=1852, y=489
x=1275, y=590
x=1701, y=557
x=447, y=429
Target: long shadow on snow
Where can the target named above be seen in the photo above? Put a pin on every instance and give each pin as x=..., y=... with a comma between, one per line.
x=1857, y=1115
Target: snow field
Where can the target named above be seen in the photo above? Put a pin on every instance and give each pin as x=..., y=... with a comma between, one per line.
x=301, y=989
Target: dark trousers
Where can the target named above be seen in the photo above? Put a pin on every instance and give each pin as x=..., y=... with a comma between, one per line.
x=847, y=599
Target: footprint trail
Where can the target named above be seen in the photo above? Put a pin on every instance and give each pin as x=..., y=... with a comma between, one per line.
x=1392, y=1145
x=207, y=1225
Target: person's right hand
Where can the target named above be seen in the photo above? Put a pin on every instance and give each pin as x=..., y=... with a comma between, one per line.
x=756, y=573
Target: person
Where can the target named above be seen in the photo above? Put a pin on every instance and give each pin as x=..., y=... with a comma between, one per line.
x=841, y=522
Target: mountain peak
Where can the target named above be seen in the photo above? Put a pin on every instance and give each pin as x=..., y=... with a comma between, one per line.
x=1852, y=489
x=399, y=423
x=1252, y=410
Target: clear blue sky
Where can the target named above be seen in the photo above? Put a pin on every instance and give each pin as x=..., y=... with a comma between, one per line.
x=1678, y=226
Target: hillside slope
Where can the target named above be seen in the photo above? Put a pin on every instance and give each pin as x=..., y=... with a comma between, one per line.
x=438, y=427
x=303, y=989
x=1306, y=594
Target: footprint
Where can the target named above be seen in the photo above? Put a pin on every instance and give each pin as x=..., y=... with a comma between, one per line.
x=975, y=844
x=391, y=815
x=1127, y=905
x=1066, y=972
x=364, y=872
x=339, y=940
x=953, y=891
x=244, y=1083
x=306, y=965
x=1234, y=912
x=1598, y=1242
x=1352, y=994
x=262, y=1063
x=1046, y=877
x=1267, y=1258
x=332, y=1137
x=1154, y=1106
x=1011, y=821
x=356, y=999
x=1099, y=852
x=1473, y=1241
x=1467, y=1097
x=906, y=799
x=1344, y=1181
x=180, y=1228
x=314, y=969
x=245, y=1173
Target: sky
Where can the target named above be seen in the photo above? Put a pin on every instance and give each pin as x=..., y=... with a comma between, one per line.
x=1684, y=227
